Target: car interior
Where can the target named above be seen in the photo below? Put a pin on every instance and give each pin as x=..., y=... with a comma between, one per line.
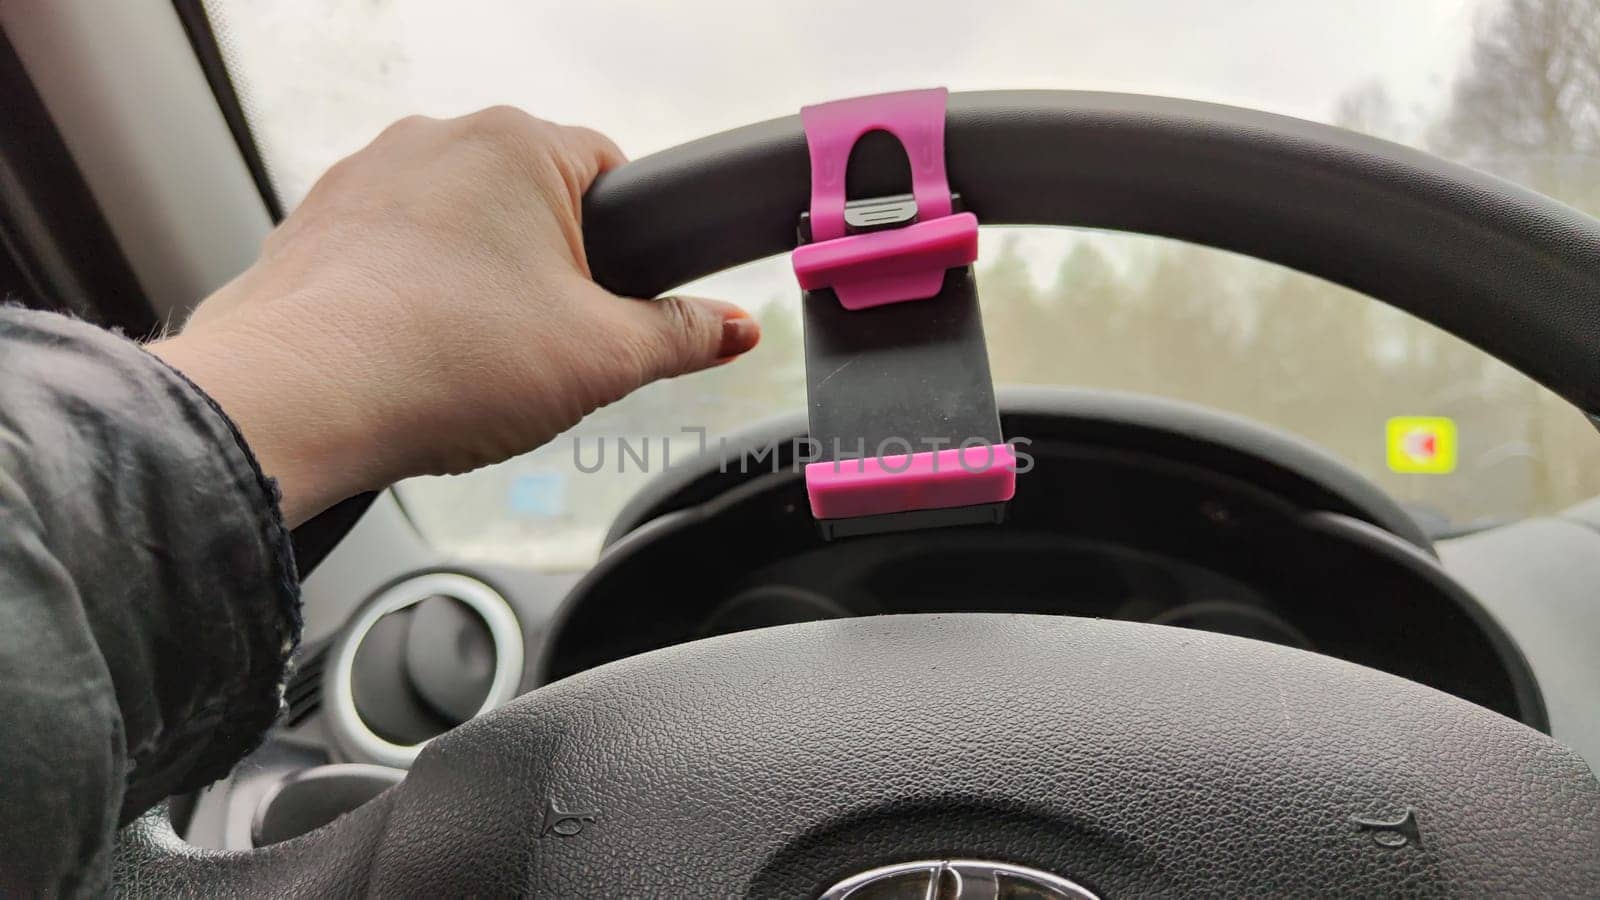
x=1341, y=639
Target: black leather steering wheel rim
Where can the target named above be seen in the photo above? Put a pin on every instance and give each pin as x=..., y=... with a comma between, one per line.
x=772, y=762
x=1508, y=270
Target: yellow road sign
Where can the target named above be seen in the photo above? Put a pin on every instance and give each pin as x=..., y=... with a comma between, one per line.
x=1421, y=445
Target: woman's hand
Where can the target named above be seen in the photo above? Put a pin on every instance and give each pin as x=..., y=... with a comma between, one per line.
x=428, y=310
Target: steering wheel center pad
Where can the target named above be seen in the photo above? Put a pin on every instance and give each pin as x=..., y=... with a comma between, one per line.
x=1133, y=759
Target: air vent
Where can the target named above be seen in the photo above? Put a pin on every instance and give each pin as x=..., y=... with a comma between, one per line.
x=421, y=658
x=303, y=694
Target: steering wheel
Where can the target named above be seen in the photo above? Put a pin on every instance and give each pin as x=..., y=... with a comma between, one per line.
x=1061, y=756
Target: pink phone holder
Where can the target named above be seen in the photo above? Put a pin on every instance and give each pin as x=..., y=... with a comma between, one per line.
x=890, y=254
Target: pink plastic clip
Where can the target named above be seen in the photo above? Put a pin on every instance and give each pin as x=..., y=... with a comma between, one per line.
x=876, y=268
x=880, y=267
x=870, y=486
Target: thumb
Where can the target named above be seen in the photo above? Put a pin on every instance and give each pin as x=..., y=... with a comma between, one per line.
x=687, y=334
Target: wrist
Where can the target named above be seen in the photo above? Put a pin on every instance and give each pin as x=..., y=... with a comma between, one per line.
x=280, y=411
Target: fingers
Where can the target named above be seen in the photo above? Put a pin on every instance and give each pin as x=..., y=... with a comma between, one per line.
x=679, y=335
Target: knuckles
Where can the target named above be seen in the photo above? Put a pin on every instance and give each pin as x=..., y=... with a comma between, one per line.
x=503, y=120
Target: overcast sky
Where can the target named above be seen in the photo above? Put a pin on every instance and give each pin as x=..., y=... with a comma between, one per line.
x=659, y=73
x=321, y=77
x=323, y=74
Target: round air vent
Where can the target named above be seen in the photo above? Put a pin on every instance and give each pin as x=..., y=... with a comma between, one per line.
x=424, y=656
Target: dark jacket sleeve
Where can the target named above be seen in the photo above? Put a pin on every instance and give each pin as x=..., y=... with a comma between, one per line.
x=148, y=598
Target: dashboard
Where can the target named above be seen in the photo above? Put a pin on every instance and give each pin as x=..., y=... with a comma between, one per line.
x=1134, y=508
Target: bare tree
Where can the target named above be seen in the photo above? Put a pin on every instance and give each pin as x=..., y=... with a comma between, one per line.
x=1527, y=108
x=1528, y=105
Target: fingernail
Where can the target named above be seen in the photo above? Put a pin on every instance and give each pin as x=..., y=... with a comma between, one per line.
x=739, y=334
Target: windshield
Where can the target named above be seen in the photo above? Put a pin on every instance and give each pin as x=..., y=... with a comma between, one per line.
x=1509, y=86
